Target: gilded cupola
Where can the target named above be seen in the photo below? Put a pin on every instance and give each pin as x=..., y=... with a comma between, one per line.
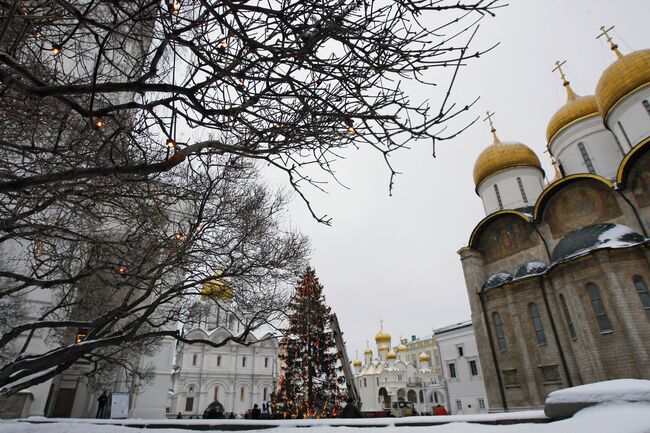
x=382, y=337
x=575, y=109
x=628, y=74
x=500, y=156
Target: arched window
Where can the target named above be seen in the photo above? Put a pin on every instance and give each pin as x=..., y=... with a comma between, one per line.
x=567, y=317
x=189, y=400
x=642, y=290
x=421, y=396
x=216, y=393
x=365, y=383
x=412, y=396
x=241, y=393
x=498, y=327
x=586, y=158
x=537, y=324
x=521, y=190
x=498, y=194
x=599, y=309
x=265, y=395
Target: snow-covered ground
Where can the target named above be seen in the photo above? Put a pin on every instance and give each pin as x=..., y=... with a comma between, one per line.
x=603, y=418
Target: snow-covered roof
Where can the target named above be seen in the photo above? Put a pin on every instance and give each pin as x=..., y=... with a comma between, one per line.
x=452, y=327
x=530, y=268
x=497, y=279
x=596, y=236
x=577, y=243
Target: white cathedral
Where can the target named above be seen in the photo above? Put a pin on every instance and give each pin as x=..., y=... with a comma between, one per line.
x=399, y=374
x=438, y=369
x=236, y=375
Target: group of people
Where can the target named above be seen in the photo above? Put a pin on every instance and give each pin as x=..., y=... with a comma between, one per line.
x=215, y=410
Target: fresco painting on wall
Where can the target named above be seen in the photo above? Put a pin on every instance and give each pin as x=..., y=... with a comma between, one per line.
x=580, y=204
x=505, y=236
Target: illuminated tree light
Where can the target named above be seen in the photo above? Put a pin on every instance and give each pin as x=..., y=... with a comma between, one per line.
x=56, y=50
x=99, y=124
x=170, y=143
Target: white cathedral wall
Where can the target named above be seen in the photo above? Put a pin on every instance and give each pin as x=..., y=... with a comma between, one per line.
x=633, y=117
x=599, y=143
x=230, y=377
x=151, y=401
x=511, y=197
x=465, y=388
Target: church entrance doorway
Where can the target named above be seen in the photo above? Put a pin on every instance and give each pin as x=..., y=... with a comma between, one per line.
x=383, y=396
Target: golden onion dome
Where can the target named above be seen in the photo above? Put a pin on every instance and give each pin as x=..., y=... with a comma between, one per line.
x=500, y=156
x=576, y=108
x=402, y=348
x=357, y=363
x=217, y=289
x=382, y=336
x=423, y=357
x=383, y=348
x=391, y=355
x=368, y=351
x=625, y=76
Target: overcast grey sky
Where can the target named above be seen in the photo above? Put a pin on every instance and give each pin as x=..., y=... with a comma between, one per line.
x=394, y=258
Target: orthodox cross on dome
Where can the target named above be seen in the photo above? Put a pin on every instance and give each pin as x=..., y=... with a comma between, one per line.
x=612, y=45
x=558, y=67
x=493, y=130
x=381, y=324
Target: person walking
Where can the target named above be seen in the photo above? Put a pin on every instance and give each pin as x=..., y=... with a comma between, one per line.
x=440, y=410
x=101, y=405
x=179, y=416
x=350, y=410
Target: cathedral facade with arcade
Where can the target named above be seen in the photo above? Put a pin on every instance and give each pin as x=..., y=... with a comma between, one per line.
x=558, y=272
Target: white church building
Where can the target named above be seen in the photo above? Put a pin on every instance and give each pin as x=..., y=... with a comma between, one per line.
x=440, y=369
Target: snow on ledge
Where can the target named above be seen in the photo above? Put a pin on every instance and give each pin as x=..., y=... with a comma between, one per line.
x=619, y=390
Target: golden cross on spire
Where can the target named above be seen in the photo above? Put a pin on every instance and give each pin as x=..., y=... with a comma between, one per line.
x=381, y=324
x=558, y=67
x=493, y=130
x=613, y=46
x=489, y=119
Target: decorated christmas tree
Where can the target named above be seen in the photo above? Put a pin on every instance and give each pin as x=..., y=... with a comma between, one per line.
x=311, y=384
